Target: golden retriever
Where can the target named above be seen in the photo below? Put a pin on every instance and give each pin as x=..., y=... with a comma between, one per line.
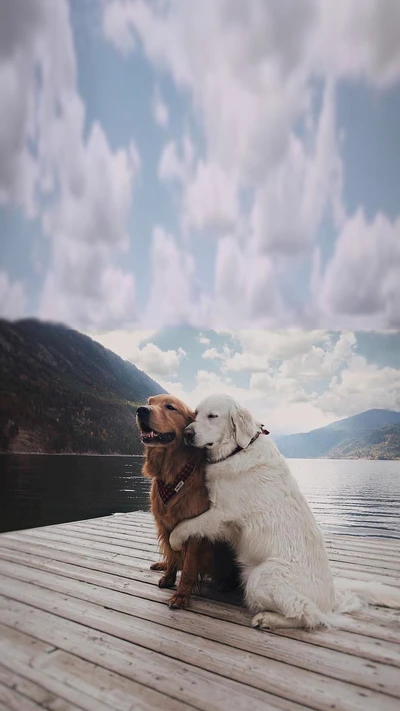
x=178, y=492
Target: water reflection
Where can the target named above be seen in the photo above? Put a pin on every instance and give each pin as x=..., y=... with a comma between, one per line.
x=355, y=497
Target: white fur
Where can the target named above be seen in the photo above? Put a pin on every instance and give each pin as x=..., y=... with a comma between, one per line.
x=257, y=506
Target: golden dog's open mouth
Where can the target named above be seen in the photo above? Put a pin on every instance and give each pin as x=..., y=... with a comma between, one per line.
x=151, y=437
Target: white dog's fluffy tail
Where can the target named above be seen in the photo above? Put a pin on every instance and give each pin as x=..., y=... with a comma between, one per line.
x=353, y=595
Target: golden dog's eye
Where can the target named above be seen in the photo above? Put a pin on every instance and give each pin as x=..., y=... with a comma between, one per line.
x=170, y=407
x=211, y=417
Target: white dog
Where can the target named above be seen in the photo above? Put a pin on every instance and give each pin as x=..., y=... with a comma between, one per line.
x=256, y=505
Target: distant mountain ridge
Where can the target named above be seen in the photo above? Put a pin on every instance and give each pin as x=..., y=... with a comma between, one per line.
x=374, y=434
x=61, y=391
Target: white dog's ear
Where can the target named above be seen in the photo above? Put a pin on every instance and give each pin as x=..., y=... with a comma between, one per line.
x=244, y=426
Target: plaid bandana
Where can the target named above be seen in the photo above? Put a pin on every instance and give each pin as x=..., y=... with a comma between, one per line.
x=168, y=491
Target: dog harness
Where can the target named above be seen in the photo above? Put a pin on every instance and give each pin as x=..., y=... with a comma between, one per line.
x=168, y=491
x=240, y=449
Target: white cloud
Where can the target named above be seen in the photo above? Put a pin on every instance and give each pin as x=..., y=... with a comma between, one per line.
x=12, y=297
x=210, y=201
x=279, y=345
x=172, y=298
x=157, y=362
x=247, y=363
x=288, y=372
x=117, y=25
x=320, y=362
x=359, y=38
x=176, y=163
x=281, y=413
x=203, y=339
x=245, y=288
x=362, y=386
x=160, y=109
x=215, y=354
x=80, y=189
x=87, y=225
x=21, y=30
x=291, y=203
x=124, y=342
x=250, y=72
x=135, y=347
x=362, y=279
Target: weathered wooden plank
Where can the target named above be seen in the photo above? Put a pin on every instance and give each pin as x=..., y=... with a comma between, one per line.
x=295, y=652
x=78, y=551
x=149, y=543
x=27, y=688
x=120, y=693
x=142, y=559
x=134, y=535
x=353, y=570
x=117, y=577
x=86, y=586
x=357, y=572
x=21, y=654
x=34, y=691
x=144, y=585
x=146, y=535
x=15, y=701
x=112, y=534
x=381, y=628
x=306, y=687
x=384, y=544
x=374, y=547
x=193, y=686
x=56, y=538
x=87, y=537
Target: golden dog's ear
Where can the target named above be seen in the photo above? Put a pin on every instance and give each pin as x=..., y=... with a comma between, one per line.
x=244, y=426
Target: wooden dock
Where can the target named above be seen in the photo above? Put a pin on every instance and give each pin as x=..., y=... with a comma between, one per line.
x=83, y=625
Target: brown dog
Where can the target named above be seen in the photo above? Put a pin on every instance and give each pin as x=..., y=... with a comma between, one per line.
x=178, y=492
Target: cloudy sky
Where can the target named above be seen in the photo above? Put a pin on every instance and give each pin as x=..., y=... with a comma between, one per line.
x=232, y=168
x=293, y=380
x=236, y=167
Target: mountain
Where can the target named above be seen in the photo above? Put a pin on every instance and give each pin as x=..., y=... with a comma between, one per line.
x=383, y=443
x=374, y=434
x=60, y=391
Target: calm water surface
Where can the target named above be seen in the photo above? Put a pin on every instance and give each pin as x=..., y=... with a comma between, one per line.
x=352, y=497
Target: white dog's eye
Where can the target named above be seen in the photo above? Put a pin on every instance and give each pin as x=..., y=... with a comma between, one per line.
x=210, y=417
x=170, y=407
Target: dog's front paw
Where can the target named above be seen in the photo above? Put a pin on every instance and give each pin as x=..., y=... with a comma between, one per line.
x=175, y=540
x=167, y=580
x=179, y=601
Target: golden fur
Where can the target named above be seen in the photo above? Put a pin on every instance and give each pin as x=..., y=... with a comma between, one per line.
x=166, y=462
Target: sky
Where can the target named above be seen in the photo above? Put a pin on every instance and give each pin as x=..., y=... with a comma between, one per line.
x=292, y=380
x=229, y=168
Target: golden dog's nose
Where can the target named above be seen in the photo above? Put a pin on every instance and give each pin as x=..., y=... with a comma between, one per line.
x=188, y=435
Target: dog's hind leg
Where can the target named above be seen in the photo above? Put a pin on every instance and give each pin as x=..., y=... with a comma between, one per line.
x=169, y=578
x=159, y=565
x=172, y=565
x=275, y=621
x=271, y=593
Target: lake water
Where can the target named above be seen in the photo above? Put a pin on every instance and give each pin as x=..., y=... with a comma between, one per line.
x=351, y=497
